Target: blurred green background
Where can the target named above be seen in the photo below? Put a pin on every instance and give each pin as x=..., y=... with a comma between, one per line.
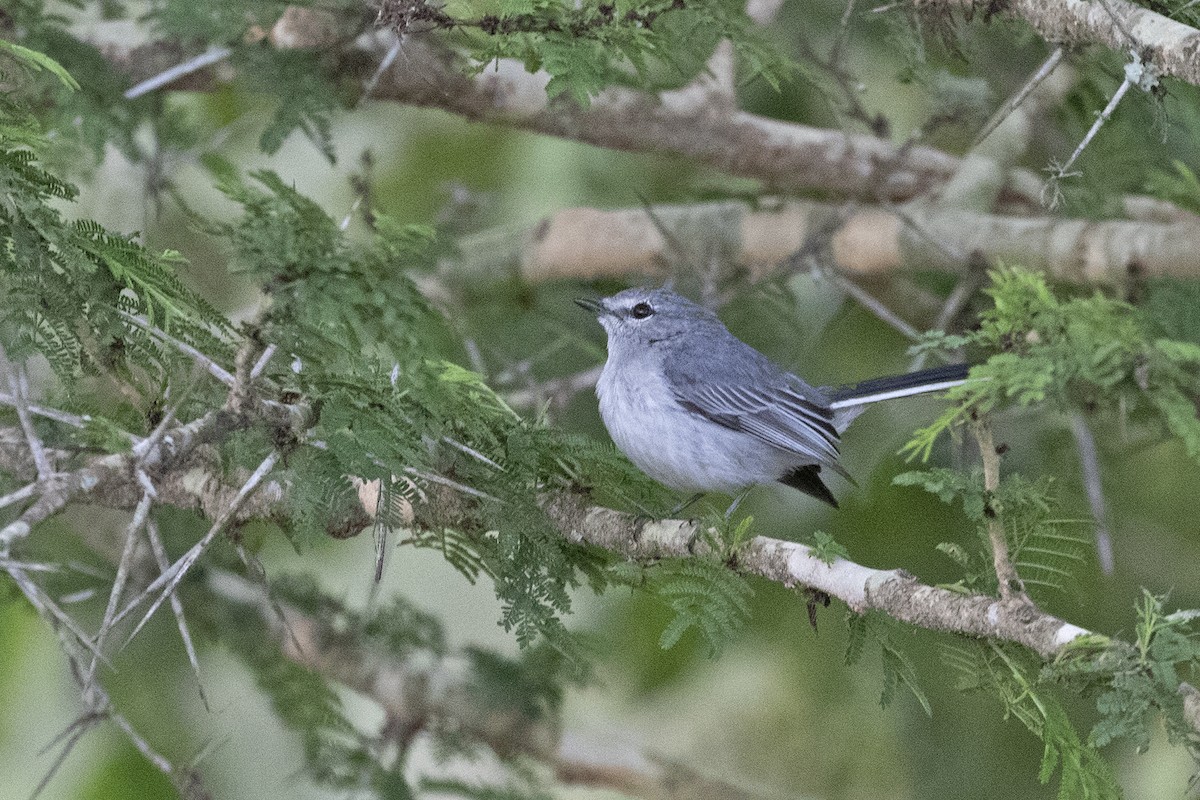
x=779, y=710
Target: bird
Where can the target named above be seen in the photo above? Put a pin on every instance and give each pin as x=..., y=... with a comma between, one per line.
x=699, y=410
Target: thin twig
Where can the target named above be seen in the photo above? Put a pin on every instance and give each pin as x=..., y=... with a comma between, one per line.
x=24, y=493
x=178, y=71
x=384, y=65
x=29, y=566
x=263, y=360
x=1089, y=465
x=148, y=752
x=1119, y=24
x=164, y=563
x=1100, y=120
x=869, y=302
x=457, y=445
x=74, y=420
x=1044, y=71
x=963, y=291
x=18, y=384
x=843, y=33
x=444, y=481
x=255, y=568
x=1010, y=583
x=214, y=369
x=72, y=734
x=140, y=514
x=151, y=442
x=557, y=390
x=166, y=583
x=46, y=606
x=1062, y=171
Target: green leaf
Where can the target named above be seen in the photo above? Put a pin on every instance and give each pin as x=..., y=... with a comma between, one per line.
x=706, y=596
x=40, y=61
x=826, y=549
x=898, y=672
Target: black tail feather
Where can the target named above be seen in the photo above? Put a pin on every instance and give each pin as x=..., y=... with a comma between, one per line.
x=808, y=480
x=911, y=380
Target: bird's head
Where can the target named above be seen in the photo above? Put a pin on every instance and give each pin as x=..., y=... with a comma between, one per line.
x=649, y=317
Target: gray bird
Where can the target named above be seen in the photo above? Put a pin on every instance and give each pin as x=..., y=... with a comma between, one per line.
x=699, y=410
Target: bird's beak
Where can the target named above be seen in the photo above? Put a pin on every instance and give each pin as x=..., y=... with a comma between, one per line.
x=592, y=304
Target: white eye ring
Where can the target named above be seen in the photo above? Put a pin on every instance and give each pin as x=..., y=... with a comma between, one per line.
x=641, y=311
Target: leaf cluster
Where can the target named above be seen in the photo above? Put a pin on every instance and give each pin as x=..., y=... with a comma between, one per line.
x=898, y=670
x=364, y=347
x=1137, y=686
x=1043, y=548
x=72, y=291
x=705, y=595
x=586, y=47
x=336, y=753
x=1012, y=675
x=1090, y=352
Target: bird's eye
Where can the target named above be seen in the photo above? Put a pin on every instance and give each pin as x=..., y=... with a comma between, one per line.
x=641, y=311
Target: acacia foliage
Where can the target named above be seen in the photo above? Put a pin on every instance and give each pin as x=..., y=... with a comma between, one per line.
x=382, y=372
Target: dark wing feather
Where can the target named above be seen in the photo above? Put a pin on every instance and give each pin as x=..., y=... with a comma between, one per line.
x=808, y=480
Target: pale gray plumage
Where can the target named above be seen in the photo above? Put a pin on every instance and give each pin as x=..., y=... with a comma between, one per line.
x=699, y=410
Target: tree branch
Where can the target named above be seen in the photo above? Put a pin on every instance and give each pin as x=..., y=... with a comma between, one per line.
x=1006, y=575
x=589, y=243
x=892, y=592
x=785, y=156
x=1169, y=45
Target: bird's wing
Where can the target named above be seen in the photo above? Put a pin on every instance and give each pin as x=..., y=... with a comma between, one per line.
x=777, y=413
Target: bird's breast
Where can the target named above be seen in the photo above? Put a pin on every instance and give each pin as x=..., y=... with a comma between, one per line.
x=677, y=447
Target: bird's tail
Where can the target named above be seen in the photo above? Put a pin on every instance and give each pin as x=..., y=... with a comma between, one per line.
x=936, y=379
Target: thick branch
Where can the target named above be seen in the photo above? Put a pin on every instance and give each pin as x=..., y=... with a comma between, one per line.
x=1169, y=45
x=893, y=592
x=586, y=243
x=785, y=156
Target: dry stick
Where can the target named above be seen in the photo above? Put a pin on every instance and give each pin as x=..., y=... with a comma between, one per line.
x=45, y=605
x=1005, y=573
x=214, y=369
x=433, y=477
x=263, y=360
x=19, y=386
x=152, y=442
x=178, y=71
x=1061, y=171
x=962, y=292
x=24, y=493
x=160, y=558
x=1044, y=71
x=557, y=390
x=167, y=582
x=148, y=752
x=384, y=65
x=1120, y=25
x=843, y=33
x=73, y=734
x=869, y=302
x=1089, y=465
x=74, y=420
x=140, y=513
